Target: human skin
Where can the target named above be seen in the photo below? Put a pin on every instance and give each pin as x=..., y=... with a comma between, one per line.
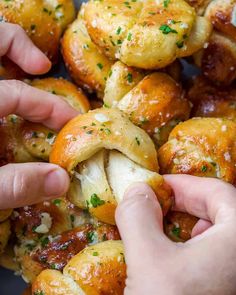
x=203, y=265
x=29, y=183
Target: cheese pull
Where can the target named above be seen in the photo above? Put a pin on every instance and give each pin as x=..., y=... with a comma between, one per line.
x=104, y=154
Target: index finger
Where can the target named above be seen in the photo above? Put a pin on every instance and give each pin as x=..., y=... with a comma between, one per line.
x=34, y=105
x=206, y=198
x=21, y=50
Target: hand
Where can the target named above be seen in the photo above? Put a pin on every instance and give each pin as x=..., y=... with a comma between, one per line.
x=203, y=265
x=25, y=184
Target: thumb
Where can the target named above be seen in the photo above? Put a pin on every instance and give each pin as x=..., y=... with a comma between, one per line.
x=30, y=183
x=139, y=219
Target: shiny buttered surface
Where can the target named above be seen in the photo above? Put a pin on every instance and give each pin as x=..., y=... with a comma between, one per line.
x=147, y=119
x=156, y=103
x=24, y=141
x=93, y=70
x=86, y=146
x=44, y=21
x=146, y=34
x=87, y=65
x=178, y=226
x=210, y=100
x=97, y=270
x=201, y=147
x=102, y=128
x=218, y=58
x=49, y=234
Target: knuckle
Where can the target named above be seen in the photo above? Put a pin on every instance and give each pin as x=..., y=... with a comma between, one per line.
x=129, y=205
x=16, y=186
x=19, y=85
x=14, y=90
x=222, y=186
x=12, y=84
x=17, y=28
x=19, y=89
x=12, y=29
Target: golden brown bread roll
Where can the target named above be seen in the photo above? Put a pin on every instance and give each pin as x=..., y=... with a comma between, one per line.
x=156, y=104
x=49, y=218
x=44, y=21
x=57, y=253
x=36, y=225
x=65, y=89
x=97, y=270
x=51, y=233
x=4, y=214
x=102, y=128
x=54, y=252
x=146, y=34
x=87, y=65
x=24, y=141
x=122, y=79
x=178, y=226
x=218, y=59
x=222, y=14
x=93, y=70
x=99, y=179
x=201, y=147
x=210, y=100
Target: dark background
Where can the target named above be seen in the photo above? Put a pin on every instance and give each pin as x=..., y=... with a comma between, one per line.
x=9, y=283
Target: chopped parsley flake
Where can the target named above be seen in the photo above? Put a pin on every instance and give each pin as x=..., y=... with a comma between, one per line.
x=57, y=202
x=100, y=66
x=91, y=236
x=137, y=140
x=44, y=241
x=166, y=3
x=95, y=201
x=50, y=135
x=129, y=37
x=180, y=44
x=129, y=78
x=167, y=29
x=176, y=231
x=204, y=168
x=118, y=31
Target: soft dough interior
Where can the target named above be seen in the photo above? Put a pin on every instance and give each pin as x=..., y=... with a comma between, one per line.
x=107, y=175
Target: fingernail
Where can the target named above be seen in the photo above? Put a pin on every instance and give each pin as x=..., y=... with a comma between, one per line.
x=56, y=183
